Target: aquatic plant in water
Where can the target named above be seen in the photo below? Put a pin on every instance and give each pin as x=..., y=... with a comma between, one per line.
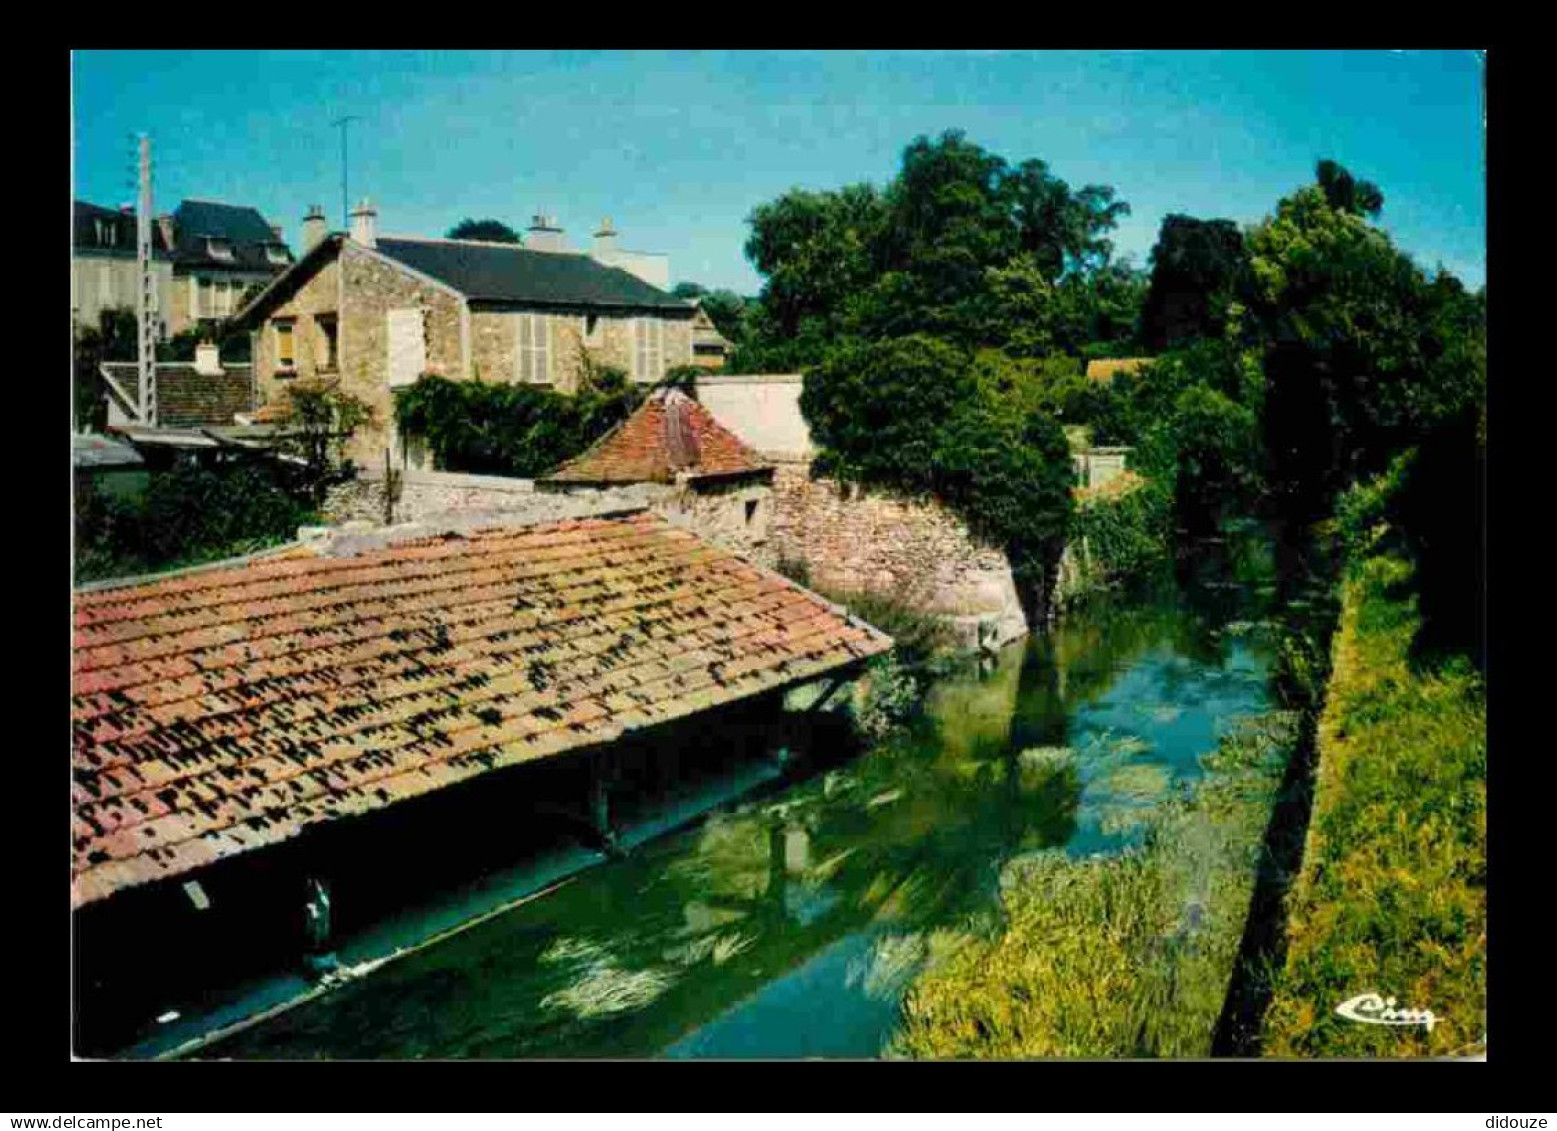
x=601, y=986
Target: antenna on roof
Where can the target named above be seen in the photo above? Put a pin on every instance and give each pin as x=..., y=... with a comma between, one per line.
x=345, y=206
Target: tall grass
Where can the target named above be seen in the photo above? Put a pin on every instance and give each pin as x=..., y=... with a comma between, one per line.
x=1392, y=895
x=1114, y=956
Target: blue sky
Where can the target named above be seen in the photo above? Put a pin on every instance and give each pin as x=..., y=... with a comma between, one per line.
x=678, y=147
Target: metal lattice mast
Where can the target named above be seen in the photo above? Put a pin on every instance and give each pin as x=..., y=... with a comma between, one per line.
x=146, y=298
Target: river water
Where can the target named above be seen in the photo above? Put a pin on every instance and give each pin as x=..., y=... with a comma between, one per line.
x=790, y=923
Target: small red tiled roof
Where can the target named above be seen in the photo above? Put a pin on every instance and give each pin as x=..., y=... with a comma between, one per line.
x=223, y=711
x=670, y=434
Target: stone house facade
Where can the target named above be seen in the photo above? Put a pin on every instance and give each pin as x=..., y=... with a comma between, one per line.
x=376, y=313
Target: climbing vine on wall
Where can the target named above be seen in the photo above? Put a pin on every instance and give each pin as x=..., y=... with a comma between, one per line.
x=502, y=429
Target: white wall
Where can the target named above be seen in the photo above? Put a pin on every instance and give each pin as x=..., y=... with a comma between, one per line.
x=764, y=411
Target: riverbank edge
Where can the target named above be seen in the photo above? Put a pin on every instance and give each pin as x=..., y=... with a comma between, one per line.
x=1123, y=955
x=1391, y=896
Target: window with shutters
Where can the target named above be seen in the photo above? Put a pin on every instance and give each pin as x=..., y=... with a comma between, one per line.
x=532, y=351
x=286, y=357
x=327, y=342
x=648, y=349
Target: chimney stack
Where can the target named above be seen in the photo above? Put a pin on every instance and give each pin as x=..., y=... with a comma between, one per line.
x=544, y=234
x=364, y=224
x=208, y=359
x=275, y=233
x=313, y=228
x=605, y=240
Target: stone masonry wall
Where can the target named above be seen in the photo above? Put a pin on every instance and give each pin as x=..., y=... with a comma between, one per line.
x=734, y=516
x=360, y=289
x=917, y=552
x=493, y=342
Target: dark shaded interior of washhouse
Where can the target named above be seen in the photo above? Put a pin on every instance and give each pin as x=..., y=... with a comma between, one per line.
x=149, y=949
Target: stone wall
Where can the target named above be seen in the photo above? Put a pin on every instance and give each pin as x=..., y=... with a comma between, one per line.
x=360, y=289
x=608, y=342
x=918, y=552
x=734, y=515
x=426, y=493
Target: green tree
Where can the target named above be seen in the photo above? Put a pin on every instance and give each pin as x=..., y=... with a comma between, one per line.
x=323, y=419
x=112, y=339
x=1364, y=352
x=1200, y=269
x=493, y=231
x=1061, y=228
x=1347, y=194
x=918, y=415
x=815, y=249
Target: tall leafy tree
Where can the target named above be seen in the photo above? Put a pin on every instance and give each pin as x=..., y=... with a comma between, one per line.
x=815, y=249
x=1345, y=193
x=1061, y=228
x=493, y=231
x=1364, y=352
x=1200, y=268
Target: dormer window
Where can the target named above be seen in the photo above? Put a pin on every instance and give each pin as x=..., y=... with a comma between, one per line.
x=277, y=253
x=107, y=233
x=218, y=248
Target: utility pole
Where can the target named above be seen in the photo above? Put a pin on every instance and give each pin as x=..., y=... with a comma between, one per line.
x=345, y=205
x=146, y=297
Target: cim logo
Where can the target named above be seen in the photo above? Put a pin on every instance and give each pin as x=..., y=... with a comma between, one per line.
x=1371, y=1009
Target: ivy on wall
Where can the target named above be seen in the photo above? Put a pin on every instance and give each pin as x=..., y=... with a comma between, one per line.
x=486, y=428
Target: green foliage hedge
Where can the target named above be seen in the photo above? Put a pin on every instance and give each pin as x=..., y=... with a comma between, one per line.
x=1126, y=535
x=187, y=515
x=917, y=415
x=505, y=429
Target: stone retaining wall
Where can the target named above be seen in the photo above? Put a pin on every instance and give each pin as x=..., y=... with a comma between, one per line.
x=918, y=552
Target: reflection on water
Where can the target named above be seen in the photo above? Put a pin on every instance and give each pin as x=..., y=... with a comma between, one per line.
x=791, y=924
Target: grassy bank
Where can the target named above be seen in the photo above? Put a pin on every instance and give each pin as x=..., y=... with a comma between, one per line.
x=1392, y=895
x=1119, y=532
x=1114, y=956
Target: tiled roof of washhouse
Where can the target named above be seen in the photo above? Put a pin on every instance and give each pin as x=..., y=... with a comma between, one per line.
x=670, y=433
x=221, y=711
x=490, y=272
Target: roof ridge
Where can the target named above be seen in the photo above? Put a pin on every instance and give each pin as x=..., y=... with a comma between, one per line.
x=481, y=243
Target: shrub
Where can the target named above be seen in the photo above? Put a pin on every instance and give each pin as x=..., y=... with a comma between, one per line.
x=186, y=515
x=915, y=414
x=504, y=429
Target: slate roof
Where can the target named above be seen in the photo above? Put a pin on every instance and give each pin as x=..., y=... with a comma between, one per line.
x=240, y=225
x=84, y=237
x=490, y=272
x=224, y=710
x=670, y=434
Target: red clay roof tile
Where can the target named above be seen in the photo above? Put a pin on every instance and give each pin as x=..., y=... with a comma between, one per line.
x=670, y=434
x=225, y=710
